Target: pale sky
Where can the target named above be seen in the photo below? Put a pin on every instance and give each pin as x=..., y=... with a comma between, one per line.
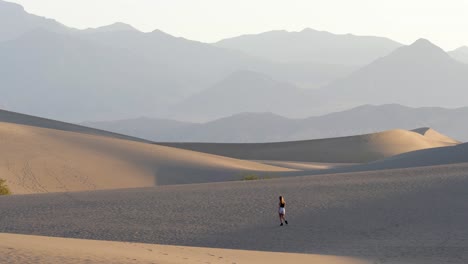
x=444, y=22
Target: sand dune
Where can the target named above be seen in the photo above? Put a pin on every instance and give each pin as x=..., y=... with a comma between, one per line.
x=420, y=158
x=413, y=159
x=42, y=155
x=354, y=149
x=432, y=134
x=426, y=157
x=38, y=160
x=415, y=215
x=22, y=119
x=19, y=249
x=454, y=153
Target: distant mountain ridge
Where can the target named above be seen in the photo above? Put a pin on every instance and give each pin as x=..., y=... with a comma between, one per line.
x=76, y=79
x=312, y=45
x=117, y=72
x=417, y=75
x=15, y=21
x=118, y=26
x=245, y=91
x=268, y=127
x=460, y=54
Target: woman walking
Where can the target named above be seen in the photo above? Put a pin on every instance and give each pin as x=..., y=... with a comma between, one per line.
x=282, y=210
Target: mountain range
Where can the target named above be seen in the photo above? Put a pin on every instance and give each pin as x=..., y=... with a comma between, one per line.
x=420, y=74
x=245, y=91
x=115, y=66
x=460, y=54
x=117, y=72
x=57, y=75
x=311, y=45
x=15, y=21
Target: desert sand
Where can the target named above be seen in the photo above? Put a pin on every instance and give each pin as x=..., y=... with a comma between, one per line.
x=407, y=208
x=414, y=215
x=419, y=158
x=42, y=155
x=353, y=149
x=425, y=157
x=58, y=157
x=83, y=195
x=20, y=249
x=36, y=160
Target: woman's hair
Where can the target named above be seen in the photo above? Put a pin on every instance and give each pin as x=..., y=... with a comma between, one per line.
x=281, y=198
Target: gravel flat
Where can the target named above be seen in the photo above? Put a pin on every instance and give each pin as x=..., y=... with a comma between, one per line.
x=415, y=215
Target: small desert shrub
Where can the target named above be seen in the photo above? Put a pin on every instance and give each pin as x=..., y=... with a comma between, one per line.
x=254, y=177
x=250, y=177
x=4, y=190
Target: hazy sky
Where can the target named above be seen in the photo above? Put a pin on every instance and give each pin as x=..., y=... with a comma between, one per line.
x=443, y=22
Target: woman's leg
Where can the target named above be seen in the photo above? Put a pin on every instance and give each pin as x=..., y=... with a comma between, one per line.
x=281, y=218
